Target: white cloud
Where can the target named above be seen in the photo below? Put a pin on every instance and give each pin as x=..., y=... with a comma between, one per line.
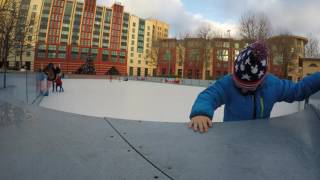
x=172, y=12
x=295, y=16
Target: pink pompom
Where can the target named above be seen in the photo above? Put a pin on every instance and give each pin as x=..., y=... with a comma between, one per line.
x=260, y=50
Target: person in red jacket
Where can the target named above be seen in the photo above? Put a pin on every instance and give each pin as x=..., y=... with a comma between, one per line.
x=59, y=83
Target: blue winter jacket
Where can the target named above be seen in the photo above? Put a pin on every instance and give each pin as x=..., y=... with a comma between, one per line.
x=254, y=106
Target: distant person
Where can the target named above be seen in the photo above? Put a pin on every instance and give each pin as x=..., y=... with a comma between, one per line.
x=250, y=92
x=57, y=70
x=59, y=83
x=41, y=82
x=51, y=75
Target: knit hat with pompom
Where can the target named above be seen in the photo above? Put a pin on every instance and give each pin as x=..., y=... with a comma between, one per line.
x=250, y=67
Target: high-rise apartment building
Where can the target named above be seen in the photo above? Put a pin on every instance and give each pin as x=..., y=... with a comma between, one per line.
x=72, y=32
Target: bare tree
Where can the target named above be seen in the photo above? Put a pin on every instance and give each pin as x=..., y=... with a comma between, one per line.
x=204, y=33
x=8, y=19
x=184, y=35
x=153, y=55
x=254, y=26
x=312, y=47
x=24, y=33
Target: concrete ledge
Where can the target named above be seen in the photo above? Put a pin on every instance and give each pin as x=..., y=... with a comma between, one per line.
x=47, y=144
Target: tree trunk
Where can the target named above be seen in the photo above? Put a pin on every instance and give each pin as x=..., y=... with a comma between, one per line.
x=5, y=56
x=20, y=54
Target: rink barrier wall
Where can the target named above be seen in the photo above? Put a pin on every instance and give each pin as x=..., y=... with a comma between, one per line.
x=181, y=81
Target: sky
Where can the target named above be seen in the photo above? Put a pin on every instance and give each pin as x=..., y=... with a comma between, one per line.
x=299, y=17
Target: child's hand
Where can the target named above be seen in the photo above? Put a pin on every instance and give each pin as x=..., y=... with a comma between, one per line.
x=203, y=123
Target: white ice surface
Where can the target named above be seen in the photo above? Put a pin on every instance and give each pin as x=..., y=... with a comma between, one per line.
x=134, y=100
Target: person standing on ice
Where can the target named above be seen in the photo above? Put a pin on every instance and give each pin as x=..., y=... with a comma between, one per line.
x=59, y=83
x=250, y=92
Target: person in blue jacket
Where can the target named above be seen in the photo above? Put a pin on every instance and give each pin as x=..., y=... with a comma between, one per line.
x=250, y=92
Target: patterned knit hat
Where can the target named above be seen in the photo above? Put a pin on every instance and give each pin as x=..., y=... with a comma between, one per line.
x=250, y=66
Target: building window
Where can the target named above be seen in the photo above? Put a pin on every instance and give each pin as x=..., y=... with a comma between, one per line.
x=180, y=73
x=52, y=55
x=105, y=55
x=94, y=51
x=197, y=74
x=52, y=47
x=222, y=55
x=189, y=75
x=62, y=55
x=122, y=60
x=131, y=71
x=278, y=59
x=226, y=44
x=139, y=71
x=62, y=48
x=146, y=72
x=113, y=59
x=163, y=71
x=84, y=50
x=41, y=55
x=236, y=45
x=194, y=55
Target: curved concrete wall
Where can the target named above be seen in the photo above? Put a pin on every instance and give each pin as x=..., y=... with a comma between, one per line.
x=38, y=143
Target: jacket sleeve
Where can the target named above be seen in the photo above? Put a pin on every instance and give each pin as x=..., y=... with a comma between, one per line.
x=209, y=100
x=290, y=91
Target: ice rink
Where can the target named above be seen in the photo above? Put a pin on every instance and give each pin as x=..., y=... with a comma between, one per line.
x=134, y=100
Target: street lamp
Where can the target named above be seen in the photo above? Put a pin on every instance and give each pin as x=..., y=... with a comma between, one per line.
x=229, y=33
x=230, y=53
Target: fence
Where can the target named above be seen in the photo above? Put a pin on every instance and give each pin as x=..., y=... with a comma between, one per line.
x=24, y=86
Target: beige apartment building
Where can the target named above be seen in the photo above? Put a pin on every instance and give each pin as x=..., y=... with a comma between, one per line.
x=142, y=34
